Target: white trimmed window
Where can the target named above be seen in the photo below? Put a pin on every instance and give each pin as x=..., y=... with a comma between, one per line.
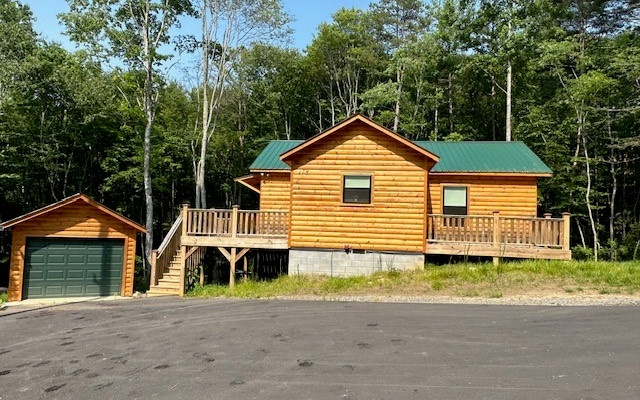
x=356, y=189
x=455, y=200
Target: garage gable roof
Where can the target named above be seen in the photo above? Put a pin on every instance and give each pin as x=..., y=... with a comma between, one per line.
x=69, y=200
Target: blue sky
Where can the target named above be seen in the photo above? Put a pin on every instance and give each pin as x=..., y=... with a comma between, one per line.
x=308, y=14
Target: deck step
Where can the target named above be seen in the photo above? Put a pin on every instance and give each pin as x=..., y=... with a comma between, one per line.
x=162, y=291
x=171, y=272
x=169, y=279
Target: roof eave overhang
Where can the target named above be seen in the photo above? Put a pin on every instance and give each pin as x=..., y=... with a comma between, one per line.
x=269, y=171
x=529, y=174
x=250, y=182
x=285, y=156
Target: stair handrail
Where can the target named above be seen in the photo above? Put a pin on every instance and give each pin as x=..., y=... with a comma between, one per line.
x=167, y=239
x=170, y=238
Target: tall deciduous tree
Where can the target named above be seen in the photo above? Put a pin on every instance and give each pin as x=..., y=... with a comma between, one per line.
x=133, y=31
x=399, y=24
x=344, y=56
x=227, y=26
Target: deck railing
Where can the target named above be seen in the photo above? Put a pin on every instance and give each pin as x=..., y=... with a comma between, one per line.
x=237, y=223
x=544, y=232
x=209, y=222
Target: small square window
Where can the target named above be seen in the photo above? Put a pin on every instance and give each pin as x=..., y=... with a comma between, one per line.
x=356, y=189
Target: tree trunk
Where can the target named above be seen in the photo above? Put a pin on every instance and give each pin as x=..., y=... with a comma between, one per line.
x=509, y=79
x=435, y=118
x=493, y=107
x=201, y=201
x=399, y=78
x=594, y=230
x=148, y=192
x=150, y=115
x=508, y=113
x=614, y=184
x=450, y=89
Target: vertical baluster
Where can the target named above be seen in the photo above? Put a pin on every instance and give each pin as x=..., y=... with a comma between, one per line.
x=255, y=223
x=476, y=230
x=194, y=222
x=445, y=228
x=245, y=223
x=465, y=228
x=214, y=226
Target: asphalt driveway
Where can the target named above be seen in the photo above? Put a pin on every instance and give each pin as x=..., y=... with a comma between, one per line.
x=169, y=348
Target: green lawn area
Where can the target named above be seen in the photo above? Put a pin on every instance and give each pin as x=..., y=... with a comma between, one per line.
x=3, y=298
x=532, y=277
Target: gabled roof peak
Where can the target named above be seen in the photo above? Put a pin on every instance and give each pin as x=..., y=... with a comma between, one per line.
x=69, y=200
x=353, y=119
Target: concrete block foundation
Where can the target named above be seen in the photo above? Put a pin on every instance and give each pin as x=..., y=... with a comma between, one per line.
x=340, y=263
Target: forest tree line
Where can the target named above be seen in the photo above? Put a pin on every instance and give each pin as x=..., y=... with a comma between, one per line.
x=561, y=75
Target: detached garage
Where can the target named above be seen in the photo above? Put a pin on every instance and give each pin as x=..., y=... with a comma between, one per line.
x=76, y=247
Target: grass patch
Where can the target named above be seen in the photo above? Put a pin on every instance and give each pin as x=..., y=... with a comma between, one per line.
x=532, y=277
x=3, y=297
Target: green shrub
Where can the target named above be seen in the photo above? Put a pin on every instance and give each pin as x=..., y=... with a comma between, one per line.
x=581, y=253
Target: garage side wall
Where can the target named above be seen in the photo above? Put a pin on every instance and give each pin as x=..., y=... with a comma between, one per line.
x=76, y=220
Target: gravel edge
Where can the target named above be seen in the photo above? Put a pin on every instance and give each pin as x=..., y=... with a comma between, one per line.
x=563, y=301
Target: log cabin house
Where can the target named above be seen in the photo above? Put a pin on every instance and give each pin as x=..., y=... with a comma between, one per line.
x=358, y=198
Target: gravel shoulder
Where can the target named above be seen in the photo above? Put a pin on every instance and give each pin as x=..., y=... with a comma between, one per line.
x=556, y=300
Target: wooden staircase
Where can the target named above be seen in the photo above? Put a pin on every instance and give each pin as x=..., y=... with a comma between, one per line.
x=169, y=284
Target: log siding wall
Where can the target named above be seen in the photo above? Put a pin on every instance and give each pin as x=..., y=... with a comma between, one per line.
x=394, y=221
x=511, y=195
x=275, y=191
x=76, y=220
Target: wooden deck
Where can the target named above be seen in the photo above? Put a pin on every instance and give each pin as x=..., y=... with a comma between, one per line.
x=497, y=236
x=176, y=265
x=236, y=228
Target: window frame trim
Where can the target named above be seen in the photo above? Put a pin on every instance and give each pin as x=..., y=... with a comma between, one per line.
x=343, y=175
x=466, y=186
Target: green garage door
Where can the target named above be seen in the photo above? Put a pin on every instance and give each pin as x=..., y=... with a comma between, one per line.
x=72, y=267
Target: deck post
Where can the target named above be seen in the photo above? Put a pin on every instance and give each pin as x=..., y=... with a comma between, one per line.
x=185, y=214
x=566, y=229
x=245, y=267
x=152, y=278
x=183, y=248
x=496, y=237
x=232, y=269
x=234, y=221
x=547, y=227
x=183, y=264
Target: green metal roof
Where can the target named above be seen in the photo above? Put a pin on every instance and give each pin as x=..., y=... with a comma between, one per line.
x=498, y=157
x=270, y=157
